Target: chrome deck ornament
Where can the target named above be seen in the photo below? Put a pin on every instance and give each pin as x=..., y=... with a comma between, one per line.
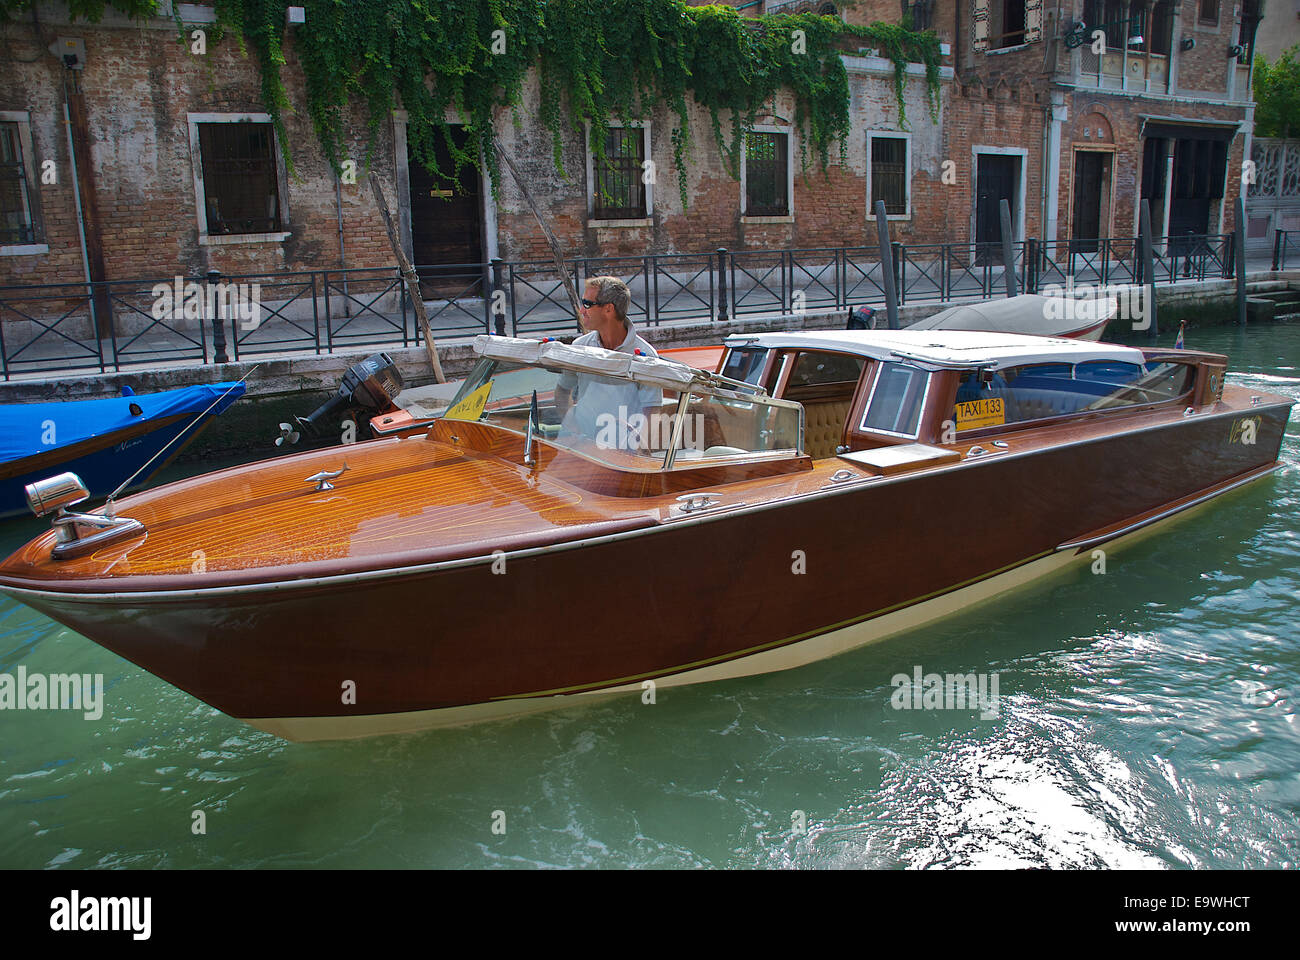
x=322, y=479
x=77, y=534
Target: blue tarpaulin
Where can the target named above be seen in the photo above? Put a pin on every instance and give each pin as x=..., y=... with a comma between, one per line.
x=31, y=428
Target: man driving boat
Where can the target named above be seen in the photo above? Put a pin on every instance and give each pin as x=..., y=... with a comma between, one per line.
x=603, y=314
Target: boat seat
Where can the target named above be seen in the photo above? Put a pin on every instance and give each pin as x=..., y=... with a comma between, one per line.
x=1030, y=404
x=824, y=426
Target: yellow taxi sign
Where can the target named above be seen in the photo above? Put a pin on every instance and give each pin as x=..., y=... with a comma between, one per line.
x=471, y=408
x=973, y=414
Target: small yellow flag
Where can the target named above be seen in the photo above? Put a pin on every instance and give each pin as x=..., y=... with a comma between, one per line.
x=471, y=408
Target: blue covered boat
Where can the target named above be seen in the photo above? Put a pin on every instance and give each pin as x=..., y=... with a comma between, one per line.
x=103, y=441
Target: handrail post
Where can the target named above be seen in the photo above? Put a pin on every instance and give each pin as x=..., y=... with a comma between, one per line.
x=219, y=354
x=1148, y=268
x=1239, y=248
x=722, y=285
x=899, y=273
x=315, y=314
x=1277, y=248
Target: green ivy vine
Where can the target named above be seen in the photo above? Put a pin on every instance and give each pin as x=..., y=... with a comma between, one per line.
x=597, y=60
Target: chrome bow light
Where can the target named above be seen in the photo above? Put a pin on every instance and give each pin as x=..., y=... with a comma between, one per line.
x=77, y=534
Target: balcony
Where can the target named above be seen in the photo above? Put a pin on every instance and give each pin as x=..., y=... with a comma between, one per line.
x=1131, y=53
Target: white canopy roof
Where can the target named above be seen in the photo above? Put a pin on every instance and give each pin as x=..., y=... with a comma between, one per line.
x=945, y=348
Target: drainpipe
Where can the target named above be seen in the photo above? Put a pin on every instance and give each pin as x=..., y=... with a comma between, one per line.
x=1058, y=112
x=956, y=40
x=1169, y=193
x=76, y=200
x=343, y=261
x=83, y=184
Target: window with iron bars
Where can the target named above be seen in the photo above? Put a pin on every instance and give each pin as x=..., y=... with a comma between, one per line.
x=241, y=184
x=767, y=175
x=16, y=222
x=620, y=184
x=922, y=13
x=889, y=174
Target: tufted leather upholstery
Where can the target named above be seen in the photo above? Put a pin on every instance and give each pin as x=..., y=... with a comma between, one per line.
x=824, y=426
x=1029, y=404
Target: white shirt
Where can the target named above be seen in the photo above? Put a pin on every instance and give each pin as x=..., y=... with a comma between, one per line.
x=602, y=398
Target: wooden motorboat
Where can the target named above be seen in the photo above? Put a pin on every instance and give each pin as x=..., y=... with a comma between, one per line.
x=825, y=490
x=104, y=441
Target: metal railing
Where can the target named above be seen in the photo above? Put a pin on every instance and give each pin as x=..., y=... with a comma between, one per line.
x=1284, y=240
x=51, y=328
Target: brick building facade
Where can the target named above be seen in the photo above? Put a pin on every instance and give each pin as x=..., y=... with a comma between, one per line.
x=1072, y=138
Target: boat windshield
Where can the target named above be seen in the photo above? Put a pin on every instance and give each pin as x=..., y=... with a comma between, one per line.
x=629, y=421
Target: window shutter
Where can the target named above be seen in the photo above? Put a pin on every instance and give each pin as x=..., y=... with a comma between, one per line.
x=979, y=27
x=1033, y=21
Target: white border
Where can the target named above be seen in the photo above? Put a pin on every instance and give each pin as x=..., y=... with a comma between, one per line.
x=789, y=175
x=925, y=398
x=200, y=196
x=648, y=218
x=907, y=174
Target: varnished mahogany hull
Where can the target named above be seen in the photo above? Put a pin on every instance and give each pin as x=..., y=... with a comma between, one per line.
x=661, y=599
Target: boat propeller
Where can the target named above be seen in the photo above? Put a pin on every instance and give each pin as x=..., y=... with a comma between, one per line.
x=287, y=435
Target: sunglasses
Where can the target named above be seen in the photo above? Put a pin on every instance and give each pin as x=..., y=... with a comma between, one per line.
x=590, y=303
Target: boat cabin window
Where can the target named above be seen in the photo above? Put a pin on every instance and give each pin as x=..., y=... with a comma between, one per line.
x=819, y=369
x=628, y=423
x=897, y=399
x=1045, y=390
x=745, y=364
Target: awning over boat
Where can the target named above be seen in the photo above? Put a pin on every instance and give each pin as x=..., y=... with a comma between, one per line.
x=945, y=348
x=27, y=429
x=1028, y=313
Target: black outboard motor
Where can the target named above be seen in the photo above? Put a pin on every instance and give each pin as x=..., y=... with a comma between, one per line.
x=863, y=318
x=370, y=385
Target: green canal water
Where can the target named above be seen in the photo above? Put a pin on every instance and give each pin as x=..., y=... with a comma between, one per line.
x=1147, y=718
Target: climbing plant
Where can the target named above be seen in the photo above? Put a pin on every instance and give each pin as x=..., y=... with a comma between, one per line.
x=596, y=61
